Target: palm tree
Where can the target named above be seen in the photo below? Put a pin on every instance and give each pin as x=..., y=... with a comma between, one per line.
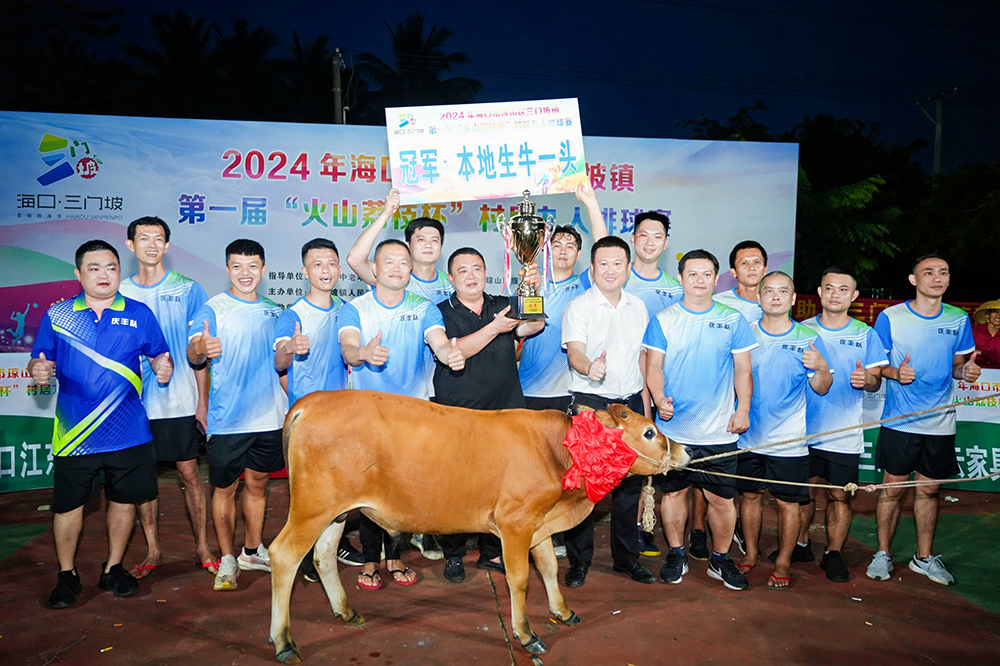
x=248, y=83
x=419, y=63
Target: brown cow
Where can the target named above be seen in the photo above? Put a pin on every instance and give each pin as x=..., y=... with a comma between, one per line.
x=415, y=466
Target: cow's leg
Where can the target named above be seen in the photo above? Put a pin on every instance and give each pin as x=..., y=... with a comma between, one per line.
x=515, y=560
x=545, y=559
x=326, y=565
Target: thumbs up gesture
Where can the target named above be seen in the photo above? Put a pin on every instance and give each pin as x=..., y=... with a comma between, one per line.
x=906, y=373
x=598, y=367
x=373, y=352
x=859, y=376
x=164, y=366
x=971, y=371
x=812, y=359
x=456, y=359
x=41, y=369
x=299, y=344
x=665, y=408
x=210, y=347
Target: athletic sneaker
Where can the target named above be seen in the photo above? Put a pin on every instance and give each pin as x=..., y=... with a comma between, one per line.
x=559, y=546
x=349, y=555
x=229, y=571
x=833, y=564
x=799, y=554
x=699, y=545
x=308, y=568
x=724, y=569
x=120, y=582
x=428, y=546
x=881, y=566
x=933, y=568
x=739, y=539
x=66, y=589
x=647, y=544
x=675, y=567
x=260, y=560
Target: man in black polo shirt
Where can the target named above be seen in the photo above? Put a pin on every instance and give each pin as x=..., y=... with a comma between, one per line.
x=489, y=380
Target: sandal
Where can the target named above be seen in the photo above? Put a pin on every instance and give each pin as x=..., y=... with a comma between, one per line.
x=779, y=579
x=208, y=566
x=405, y=570
x=745, y=568
x=375, y=581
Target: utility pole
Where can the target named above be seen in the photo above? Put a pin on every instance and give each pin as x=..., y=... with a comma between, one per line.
x=938, y=123
x=339, y=117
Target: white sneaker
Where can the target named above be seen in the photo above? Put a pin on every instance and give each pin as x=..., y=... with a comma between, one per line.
x=228, y=573
x=933, y=569
x=881, y=566
x=428, y=546
x=260, y=560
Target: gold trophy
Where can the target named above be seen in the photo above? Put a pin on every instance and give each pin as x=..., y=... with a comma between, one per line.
x=527, y=234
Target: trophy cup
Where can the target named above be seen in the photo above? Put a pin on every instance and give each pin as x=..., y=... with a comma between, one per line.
x=527, y=234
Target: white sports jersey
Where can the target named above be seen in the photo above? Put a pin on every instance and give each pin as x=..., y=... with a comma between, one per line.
x=698, y=369
x=436, y=290
x=174, y=300
x=322, y=369
x=245, y=395
x=749, y=309
x=544, y=368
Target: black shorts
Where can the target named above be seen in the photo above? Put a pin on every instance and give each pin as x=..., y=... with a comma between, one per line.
x=230, y=455
x=175, y=439
x=775, y=468
x=838, y=469
x=561, y=403
x=902, y=453
x=129, y=477
x=679, y=479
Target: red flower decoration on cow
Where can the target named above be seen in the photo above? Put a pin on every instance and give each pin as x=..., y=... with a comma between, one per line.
x=600, y=457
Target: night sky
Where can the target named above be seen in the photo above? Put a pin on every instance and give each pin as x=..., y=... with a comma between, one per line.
x=640, y=66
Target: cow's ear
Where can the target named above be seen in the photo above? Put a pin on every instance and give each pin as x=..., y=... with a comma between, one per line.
x=619, y=412
x=606, y=418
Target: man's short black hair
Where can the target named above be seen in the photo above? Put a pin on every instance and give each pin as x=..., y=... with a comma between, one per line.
x=652, y=215
x=610, y=241
x=698, y=254
x=390, y=241
x=148, y=221
x=746, y=245
x=461, y=251
x=838, y=270
x=420, y=223
x=569, y=230
x=776, y=274
x=319, y=244
x=924, y=257
x=95, y=245
x=245, y=248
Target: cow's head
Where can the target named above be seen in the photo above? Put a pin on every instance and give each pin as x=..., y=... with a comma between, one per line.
x=642, y=435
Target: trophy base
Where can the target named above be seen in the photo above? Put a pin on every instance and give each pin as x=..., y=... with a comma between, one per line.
x=526, y=307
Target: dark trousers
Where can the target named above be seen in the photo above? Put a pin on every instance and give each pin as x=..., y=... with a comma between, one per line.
x=624, y=502
x=374, y=539
x=453, y=545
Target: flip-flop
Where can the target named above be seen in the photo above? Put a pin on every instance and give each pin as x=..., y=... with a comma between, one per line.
x=206, y=565
x=403, y=571
x=373, y=585
x=774, y=579
x=745, y=568
x=138, y=569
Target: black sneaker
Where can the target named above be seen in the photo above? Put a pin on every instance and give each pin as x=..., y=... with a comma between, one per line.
x=724, y=569
x=308, y=568
x=739, y=539
x=699, y=545
x=674, y=568
x=67, y=587
x=833, y=564
x=647, y=544
x=349, y=555
x=799, y=554
x=454, y=570
x=119, y=581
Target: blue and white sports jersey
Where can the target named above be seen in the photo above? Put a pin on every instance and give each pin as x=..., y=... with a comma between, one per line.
x=843, y=405
x=404, y=330
x=98, y=402
x=698, y=369
x=544, y=366
x=932, y=343
x=780, y=382
x=174, y=300
x=658, y=293
x=749, y=309
x=436, y=290
x=245, y=394
x=322, y=369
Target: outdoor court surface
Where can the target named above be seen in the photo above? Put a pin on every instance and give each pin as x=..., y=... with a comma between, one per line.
x=178, y=619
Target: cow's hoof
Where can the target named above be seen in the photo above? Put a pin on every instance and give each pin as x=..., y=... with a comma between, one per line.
x=290, y=655
x=535, y=646
x=572, y=620
x=355, y=620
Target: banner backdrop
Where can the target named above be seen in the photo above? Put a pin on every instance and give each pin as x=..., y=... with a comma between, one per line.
x=65, y=179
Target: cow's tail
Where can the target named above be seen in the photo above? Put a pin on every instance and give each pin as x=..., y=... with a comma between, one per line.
x=287, y=434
